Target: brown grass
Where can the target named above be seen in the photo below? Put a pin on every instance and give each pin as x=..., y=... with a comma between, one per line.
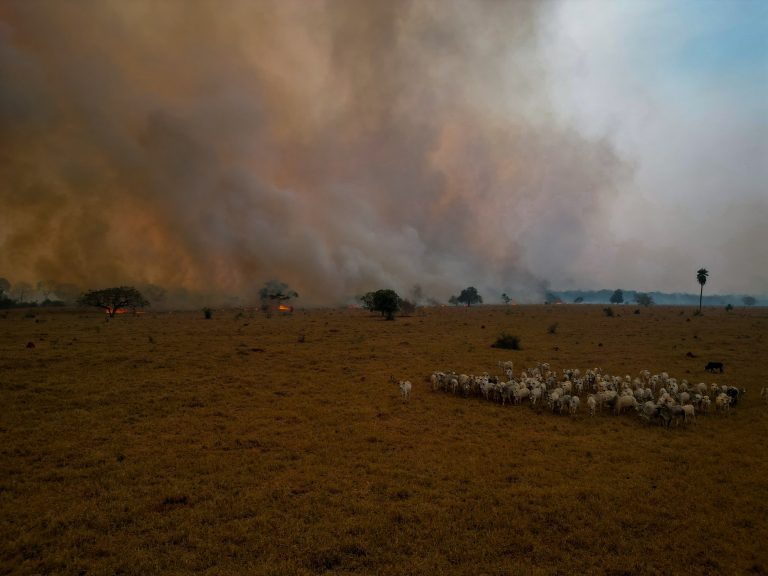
x=171, y=444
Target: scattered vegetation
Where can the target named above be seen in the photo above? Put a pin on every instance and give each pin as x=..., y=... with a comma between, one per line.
x=114, y=300
x=552, y=328
x=507, y=341
x=301, y=459
x=701, y=278
x=644, y=299
x=385, y=301
x=608, y=311
x=469, y=296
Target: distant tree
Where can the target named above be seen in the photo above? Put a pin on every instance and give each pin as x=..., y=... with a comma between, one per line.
x=701, y=278
x=506, y=299
x=644, y=299
x=617, y=297
x=453, y=300
x=578, y=300
x=45, y=288
x=67, y=293
x=470, y=296
x=114, y=299
x=367, y=300
x=276, y=290
x=387, y=302
x=749, y=300
x=5, y=301
x=22, y=290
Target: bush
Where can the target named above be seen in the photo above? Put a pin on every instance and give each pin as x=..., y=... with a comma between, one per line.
x=507, y=342
x=729, y=307
x=552, y=329
x=208, y=313
x=608, y=311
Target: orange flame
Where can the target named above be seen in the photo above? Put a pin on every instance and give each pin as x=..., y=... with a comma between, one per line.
x=284, y=308
x=117, y=311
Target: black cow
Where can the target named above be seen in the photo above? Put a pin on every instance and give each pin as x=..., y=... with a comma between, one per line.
x=714, y=366
x=734, y=394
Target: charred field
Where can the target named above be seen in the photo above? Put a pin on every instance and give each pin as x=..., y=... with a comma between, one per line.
x=168, y=443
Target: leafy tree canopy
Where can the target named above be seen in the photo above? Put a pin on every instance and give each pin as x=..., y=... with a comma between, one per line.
x=470, y=296
x=644, y=299
x=617, y=297
x=749, y=300
x=114, y=299
x=387, y=302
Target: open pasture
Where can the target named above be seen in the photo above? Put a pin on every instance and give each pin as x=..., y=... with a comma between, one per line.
x=170, y=444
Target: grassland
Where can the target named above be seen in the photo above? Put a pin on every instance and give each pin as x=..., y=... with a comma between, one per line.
x=170, y=444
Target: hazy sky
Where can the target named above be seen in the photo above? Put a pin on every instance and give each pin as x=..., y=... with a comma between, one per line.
x=346, y=146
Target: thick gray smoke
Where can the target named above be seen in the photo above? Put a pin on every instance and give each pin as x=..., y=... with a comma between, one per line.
x=340, y=147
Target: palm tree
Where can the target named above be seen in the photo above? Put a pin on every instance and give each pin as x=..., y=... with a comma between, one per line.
x=701, y=276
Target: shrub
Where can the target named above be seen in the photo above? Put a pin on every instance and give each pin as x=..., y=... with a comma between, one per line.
x=552, y=329
x=507, y=342
x=608, y=311
x=729, y=307
x=208, y=313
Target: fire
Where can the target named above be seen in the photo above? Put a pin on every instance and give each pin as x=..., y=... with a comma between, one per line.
x=117, y=311
x=125, y=311
x=284, y=308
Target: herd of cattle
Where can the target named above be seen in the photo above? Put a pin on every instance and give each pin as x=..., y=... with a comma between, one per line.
x=654, y=397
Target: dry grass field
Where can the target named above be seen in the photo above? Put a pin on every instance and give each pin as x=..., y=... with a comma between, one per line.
x=170, y=444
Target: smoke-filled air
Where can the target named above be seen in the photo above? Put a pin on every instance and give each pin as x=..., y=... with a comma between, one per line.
x=346, y=146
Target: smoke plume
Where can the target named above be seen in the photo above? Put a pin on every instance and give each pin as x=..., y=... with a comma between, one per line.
x=338, y=146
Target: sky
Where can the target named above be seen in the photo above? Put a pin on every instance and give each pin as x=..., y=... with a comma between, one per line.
x=343, y=146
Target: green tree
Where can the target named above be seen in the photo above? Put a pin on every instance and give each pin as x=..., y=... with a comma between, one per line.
x=453, y=300
x=617, y=297
x=749, y=300
x=701, y=278
x=114, y=299
x=506, y=299
x=644, y=299
x=387, y=302
x=470, y=296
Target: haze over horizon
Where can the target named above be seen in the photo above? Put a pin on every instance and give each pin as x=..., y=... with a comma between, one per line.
x=344, y=146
